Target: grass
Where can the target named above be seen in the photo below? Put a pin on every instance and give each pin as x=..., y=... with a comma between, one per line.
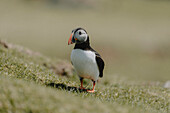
x=21, y=96
x=24, y=79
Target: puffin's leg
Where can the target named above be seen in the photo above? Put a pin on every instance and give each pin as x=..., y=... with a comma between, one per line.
x=81, y=80
x=92, y=91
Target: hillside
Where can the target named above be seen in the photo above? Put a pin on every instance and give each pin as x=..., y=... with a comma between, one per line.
x=25, y=78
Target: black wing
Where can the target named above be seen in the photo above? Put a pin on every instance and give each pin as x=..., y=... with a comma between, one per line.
x=100, y=64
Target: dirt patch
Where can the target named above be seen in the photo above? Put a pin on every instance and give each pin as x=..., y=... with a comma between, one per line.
x=62, y=68
x=4, y=44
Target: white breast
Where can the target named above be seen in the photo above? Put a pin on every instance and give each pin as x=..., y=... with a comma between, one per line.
x=85, y=64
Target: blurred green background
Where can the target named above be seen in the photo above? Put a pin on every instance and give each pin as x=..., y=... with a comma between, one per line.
x=133, y=36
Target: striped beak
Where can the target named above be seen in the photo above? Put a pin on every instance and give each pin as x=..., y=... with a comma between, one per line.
x=70, y=39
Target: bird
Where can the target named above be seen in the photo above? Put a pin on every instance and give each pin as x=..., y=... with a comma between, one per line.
x=87, y=62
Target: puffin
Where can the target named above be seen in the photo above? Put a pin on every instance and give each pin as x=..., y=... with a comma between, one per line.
x=86, y=61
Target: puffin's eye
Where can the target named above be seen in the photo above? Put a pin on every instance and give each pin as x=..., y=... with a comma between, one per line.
x=80, y=33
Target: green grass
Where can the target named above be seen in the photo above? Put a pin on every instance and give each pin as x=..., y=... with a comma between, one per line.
x=21, y=96
x=23, y=80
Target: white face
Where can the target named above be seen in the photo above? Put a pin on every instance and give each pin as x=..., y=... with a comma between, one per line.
x=81, y=36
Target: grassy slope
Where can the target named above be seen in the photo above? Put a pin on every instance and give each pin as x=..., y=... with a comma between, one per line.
x=23, y=79
x=21, y=96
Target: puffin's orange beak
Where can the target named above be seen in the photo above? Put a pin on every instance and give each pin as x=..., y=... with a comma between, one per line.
x=70, y=39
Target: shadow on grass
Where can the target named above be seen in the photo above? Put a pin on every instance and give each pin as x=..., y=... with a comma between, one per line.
x=67, y=88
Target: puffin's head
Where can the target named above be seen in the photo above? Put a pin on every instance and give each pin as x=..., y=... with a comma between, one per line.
x=78, y=36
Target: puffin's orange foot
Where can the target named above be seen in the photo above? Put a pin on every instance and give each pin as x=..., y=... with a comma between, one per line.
x=91, y=91
x=82, y=88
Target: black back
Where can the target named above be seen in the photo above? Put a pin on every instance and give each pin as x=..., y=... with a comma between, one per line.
x=99, y=60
